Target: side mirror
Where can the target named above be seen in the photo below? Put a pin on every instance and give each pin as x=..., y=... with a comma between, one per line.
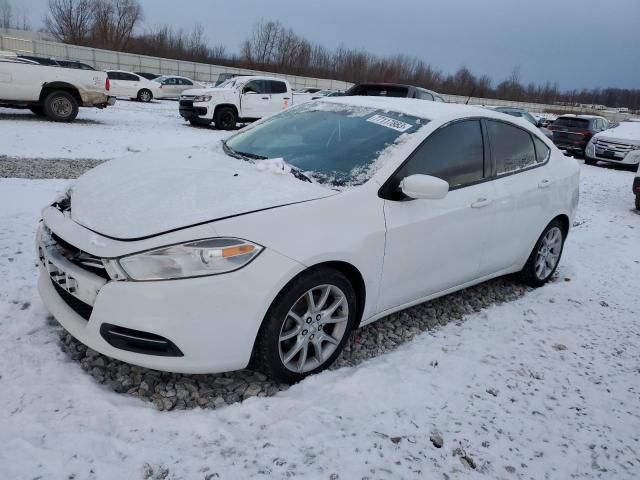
x=424, y=187
x=248, y=91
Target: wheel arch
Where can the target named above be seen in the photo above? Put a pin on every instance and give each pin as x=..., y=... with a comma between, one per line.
x=224, y=105
x=564, y=219
x=50, y=87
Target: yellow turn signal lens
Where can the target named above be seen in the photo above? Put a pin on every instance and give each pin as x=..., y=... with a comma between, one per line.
x=238, y=250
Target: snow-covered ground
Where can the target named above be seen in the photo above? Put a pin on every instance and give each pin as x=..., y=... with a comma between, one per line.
x=545, y=387
x=100, y=134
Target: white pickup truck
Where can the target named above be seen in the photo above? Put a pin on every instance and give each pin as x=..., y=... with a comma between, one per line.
x=240, y=99
x=52, y=91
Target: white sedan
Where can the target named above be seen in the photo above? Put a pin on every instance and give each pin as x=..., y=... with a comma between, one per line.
x=269, y=249
x=172, y=86
x=132, y=85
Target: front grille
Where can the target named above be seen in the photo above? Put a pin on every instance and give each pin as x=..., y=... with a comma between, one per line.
x=620, y=148
x=77, y=305
x=186, y=103
x=82, y=259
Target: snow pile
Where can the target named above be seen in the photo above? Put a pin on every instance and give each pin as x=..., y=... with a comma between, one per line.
x=543, y=387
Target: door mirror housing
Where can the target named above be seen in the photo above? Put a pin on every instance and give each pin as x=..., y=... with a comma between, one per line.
x=424, y=187
x=248, y=91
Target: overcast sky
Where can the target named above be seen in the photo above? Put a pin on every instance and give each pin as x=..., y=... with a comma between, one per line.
x=578, y=43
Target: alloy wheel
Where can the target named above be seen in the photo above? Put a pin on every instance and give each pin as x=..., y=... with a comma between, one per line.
x=313, y=328
x=548, y=253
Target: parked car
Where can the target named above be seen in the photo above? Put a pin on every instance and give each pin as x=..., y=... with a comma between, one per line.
x=573, y=132
x=393, y=90
x=311, y=90
x=56, y=62
x=241, y=99
x=224, y=77
x=327, y=93
x=522, y=113
x=203, y=260
x=49, y=90
x=636, y=188
x=147, y=75
x=172, y=86
x=620, y=145
x=131, y=85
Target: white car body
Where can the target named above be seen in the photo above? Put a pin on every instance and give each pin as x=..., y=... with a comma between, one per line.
x=247, y=105
x=130, y=85
x=405, y=252
x=23, y=82
x=172, y=86
x=619, y=145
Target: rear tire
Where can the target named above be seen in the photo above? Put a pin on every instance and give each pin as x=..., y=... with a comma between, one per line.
x=225, y=118
x=61, y=106
x=545, y=257
x=300, y=336
x=638, y=202
x=145, y=95
x=38, y=111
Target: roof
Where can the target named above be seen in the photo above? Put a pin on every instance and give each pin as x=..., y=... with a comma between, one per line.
x=415, y=107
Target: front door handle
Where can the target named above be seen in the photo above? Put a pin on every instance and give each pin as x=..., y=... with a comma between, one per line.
x=544, y=184
x=481, y=202
x=265, y=98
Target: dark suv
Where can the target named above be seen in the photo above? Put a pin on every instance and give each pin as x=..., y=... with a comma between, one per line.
x=393, y=90
x=573, y=132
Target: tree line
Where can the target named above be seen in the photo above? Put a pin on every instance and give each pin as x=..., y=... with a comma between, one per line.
x=270, y=46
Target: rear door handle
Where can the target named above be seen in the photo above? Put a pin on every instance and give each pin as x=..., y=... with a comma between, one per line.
x=544, y=184
x=481, y=202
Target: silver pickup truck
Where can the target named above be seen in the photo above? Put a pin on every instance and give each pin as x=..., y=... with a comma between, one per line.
x=51, y=91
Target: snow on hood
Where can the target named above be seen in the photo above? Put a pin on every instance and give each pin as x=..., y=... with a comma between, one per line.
x=151, y=193
x=627, y=132
x=208, y=91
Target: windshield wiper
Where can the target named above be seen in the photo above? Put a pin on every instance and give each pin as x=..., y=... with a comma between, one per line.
x=253, y=156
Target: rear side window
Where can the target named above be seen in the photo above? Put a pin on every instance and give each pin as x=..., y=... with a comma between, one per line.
x=454, y=153
x=424, y=95
x=184, y=81
x=113, y=75
x=542, y=151
x=129, y=77
x=381, y=91
x=512, y=147
x=277, y=87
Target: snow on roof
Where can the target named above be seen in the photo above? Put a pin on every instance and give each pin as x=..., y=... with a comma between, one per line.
x=417, y=108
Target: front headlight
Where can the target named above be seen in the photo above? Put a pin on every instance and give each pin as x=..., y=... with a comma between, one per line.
x=202, y=98
x=194, y=259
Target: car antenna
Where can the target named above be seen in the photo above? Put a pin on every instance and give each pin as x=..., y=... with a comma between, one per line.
x=473, y=90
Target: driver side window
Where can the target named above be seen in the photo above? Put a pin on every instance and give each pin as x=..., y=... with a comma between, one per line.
x=255, y=86
x=454, y=153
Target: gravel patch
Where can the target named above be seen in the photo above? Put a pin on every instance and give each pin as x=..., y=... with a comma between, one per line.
x=171, y=391
x=44, y=168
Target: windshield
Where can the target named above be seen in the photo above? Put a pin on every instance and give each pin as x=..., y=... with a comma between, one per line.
x=330, y=143
x=228, y=84
x=571, y=122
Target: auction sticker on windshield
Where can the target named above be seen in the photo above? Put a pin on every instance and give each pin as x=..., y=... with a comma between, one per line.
x=390, y=123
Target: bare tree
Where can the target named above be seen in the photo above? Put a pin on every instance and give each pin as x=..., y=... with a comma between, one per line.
x=114, y=22
x=259, y=48
x=70, y=21
x=6, y=14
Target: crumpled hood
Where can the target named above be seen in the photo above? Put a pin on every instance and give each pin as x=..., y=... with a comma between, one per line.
x=626, y=132
x=155, y=192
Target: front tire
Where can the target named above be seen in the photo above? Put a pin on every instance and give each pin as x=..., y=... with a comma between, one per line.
x=61, y=106
x=306, y=327
x=225, y=118
x=588, y=161
x=544, y=259
x=145, y=95
x=638, y=202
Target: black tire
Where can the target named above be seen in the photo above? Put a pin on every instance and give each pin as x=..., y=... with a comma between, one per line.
x=61, y=106
x=199, y=123
x=638, y=202
x=528, y=274
x=145, y=95
x=588, y=161
x=225, y=118
x=266, y=353
x=38, y=111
